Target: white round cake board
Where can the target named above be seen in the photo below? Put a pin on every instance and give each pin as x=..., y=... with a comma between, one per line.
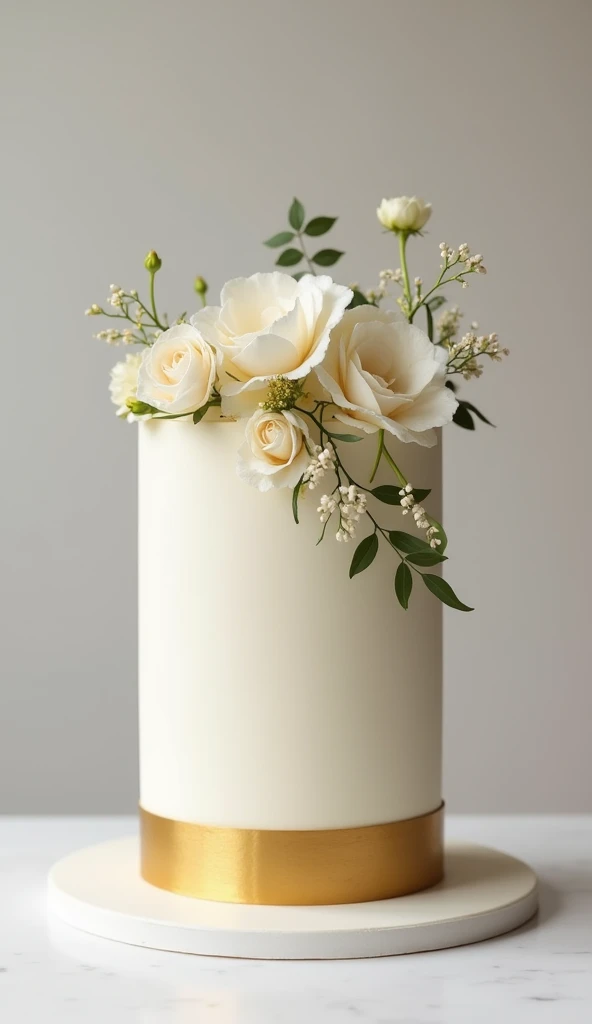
x=484, y=893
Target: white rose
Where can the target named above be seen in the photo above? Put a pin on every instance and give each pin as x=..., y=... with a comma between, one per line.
x=124, y=381
x=404, y=213
x=274, y=453
x=177, y=372
x=383, y=373
x=269, y=325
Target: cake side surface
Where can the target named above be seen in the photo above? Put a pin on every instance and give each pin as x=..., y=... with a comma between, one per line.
x=275, y=693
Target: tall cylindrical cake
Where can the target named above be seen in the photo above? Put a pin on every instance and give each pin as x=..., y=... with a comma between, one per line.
x=290, y=718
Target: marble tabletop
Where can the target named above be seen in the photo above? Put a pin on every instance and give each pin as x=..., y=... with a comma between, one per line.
x=541, y=973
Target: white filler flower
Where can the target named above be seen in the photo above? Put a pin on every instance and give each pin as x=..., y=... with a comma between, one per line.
x=274, y=452
x=269, y=325
x=383, y=373
x=124, y=381
x=405, y=213
x=178, y=372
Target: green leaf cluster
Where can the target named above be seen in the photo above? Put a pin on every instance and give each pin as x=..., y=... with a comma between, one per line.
x=294, y=239
x=415, y=554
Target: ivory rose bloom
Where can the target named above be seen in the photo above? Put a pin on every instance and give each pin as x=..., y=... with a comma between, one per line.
x=178, y=372
x=269, y=325
x=383, y=373
x=124, y=381
x=404, y=213
x=274, y=453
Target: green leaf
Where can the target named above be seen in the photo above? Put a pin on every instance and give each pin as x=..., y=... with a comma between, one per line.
x=295, y=496
x=200, y=413
x=299, y=274
x=403, y=584
x=280, y=239
x=326, y=257
x=444, y=592
x=426, y=558
x=364, y=555
x=390, y=495
x=319, y=225
x=453, y=387
x=474, y=409
x=436, y=302
x=462, y=417
x=359, y=299
x=387, y=493
x=430, y=322
x=296, y=214
x=350, y=438
x=289, y=258
x=407, y=543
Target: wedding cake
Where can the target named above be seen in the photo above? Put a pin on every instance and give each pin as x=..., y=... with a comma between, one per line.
x=290, y=720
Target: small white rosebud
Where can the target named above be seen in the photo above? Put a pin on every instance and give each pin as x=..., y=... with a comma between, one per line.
x=404, y=213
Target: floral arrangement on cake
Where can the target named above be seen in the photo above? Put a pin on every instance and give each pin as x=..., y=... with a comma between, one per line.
x=298, y=357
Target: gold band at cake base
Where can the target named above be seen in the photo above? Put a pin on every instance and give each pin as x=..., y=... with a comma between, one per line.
x=291, y=868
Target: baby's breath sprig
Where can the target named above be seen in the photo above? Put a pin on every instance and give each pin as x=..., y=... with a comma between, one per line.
x=349, y=500
x=461, y=258
x=385, y=278
x=448, y=325
x=463, y=355
x=146, y=324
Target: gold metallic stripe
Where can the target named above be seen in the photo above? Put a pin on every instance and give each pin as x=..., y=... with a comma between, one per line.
x=243, y=865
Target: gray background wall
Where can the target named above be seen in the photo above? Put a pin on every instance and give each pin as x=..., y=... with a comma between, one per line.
x=187, y=127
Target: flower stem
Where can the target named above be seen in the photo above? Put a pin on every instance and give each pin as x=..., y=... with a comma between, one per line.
x=379, y=452
x=393, y=465
x=153, y=302
x=403, y=257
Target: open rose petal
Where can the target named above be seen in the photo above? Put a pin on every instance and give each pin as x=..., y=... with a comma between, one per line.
x=385, y=374
x=269, y=325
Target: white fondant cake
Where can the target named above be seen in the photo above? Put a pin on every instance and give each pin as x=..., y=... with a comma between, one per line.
x=275, y=693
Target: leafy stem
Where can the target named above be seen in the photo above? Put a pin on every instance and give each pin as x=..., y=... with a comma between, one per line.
x=305, y=254
x=411, y=551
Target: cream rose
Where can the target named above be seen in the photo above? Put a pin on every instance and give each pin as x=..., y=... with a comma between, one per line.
x=383, y=373
x=274, y=453
x=124, y=381
x=404, y=213
x=269, y=325
x=177, y=372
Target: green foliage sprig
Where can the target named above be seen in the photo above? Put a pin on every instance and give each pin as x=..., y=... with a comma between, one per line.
x=295, y=240
x=413, y=552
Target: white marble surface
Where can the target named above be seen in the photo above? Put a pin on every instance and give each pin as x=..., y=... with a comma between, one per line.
x=541, y=973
